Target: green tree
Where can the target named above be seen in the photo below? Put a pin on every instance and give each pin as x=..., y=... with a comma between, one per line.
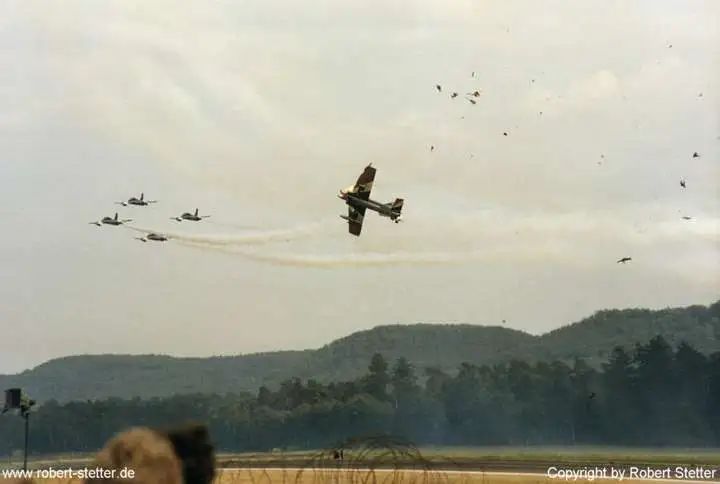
x=691, y=389
x=656, y=383
x=436, y=380
x=619, y=399
x=377, y=380
x=586, y=410
x=712, y=400
x=404, y=380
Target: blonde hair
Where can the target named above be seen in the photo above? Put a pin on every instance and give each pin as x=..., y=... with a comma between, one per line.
x=149, y=454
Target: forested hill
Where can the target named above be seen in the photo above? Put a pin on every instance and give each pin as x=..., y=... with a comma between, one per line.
x=424, y=345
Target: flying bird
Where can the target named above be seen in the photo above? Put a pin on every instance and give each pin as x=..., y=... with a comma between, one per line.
x=474, y=94
x=471, y=100
x=624, y=260
x=432, y=147
x=685, y=217
x=696, y=155
x=682, y=183
x=453, y=95
x=504, y=133
x=438, y=87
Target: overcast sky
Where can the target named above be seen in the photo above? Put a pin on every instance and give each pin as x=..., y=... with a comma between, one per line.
x=257, y=112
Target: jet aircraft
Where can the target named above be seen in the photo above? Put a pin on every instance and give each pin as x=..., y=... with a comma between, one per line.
x=153, y=236
x=137, y=201
x=357, y=198
x=111, y=221
x=190, y=216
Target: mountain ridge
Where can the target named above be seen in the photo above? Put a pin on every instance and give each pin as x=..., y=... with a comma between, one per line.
x=439, y=345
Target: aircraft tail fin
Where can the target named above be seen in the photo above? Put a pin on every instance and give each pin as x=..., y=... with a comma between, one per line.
x=196, y=212
x=116, y=215
x=397, y=205
x=142, y=196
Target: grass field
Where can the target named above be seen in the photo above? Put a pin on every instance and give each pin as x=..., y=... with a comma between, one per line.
x=535, y=459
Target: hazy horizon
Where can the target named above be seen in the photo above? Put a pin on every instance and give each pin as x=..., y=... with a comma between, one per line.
x=257, y=114
x=324, y=343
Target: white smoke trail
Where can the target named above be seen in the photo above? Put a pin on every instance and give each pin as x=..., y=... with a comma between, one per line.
x=386, y=259
x=230, y=226
x=328, y=261
x=249, y=237
x=368, y=259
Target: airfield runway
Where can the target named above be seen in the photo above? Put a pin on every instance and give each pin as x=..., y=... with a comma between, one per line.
x=293, y=470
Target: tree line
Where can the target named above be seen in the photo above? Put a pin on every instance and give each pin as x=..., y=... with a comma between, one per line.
x=653, y=395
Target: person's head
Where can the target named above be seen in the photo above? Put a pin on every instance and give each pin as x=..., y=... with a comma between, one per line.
x=192, y=445
x=147, y=453
x=179, y=455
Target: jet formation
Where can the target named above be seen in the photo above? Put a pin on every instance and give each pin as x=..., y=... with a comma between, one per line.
x=142, y=202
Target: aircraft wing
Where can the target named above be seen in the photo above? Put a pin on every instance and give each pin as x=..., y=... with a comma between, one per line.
x=363, y=185
x=355, y=219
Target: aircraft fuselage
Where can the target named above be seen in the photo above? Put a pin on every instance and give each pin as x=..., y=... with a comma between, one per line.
x=384, y=209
